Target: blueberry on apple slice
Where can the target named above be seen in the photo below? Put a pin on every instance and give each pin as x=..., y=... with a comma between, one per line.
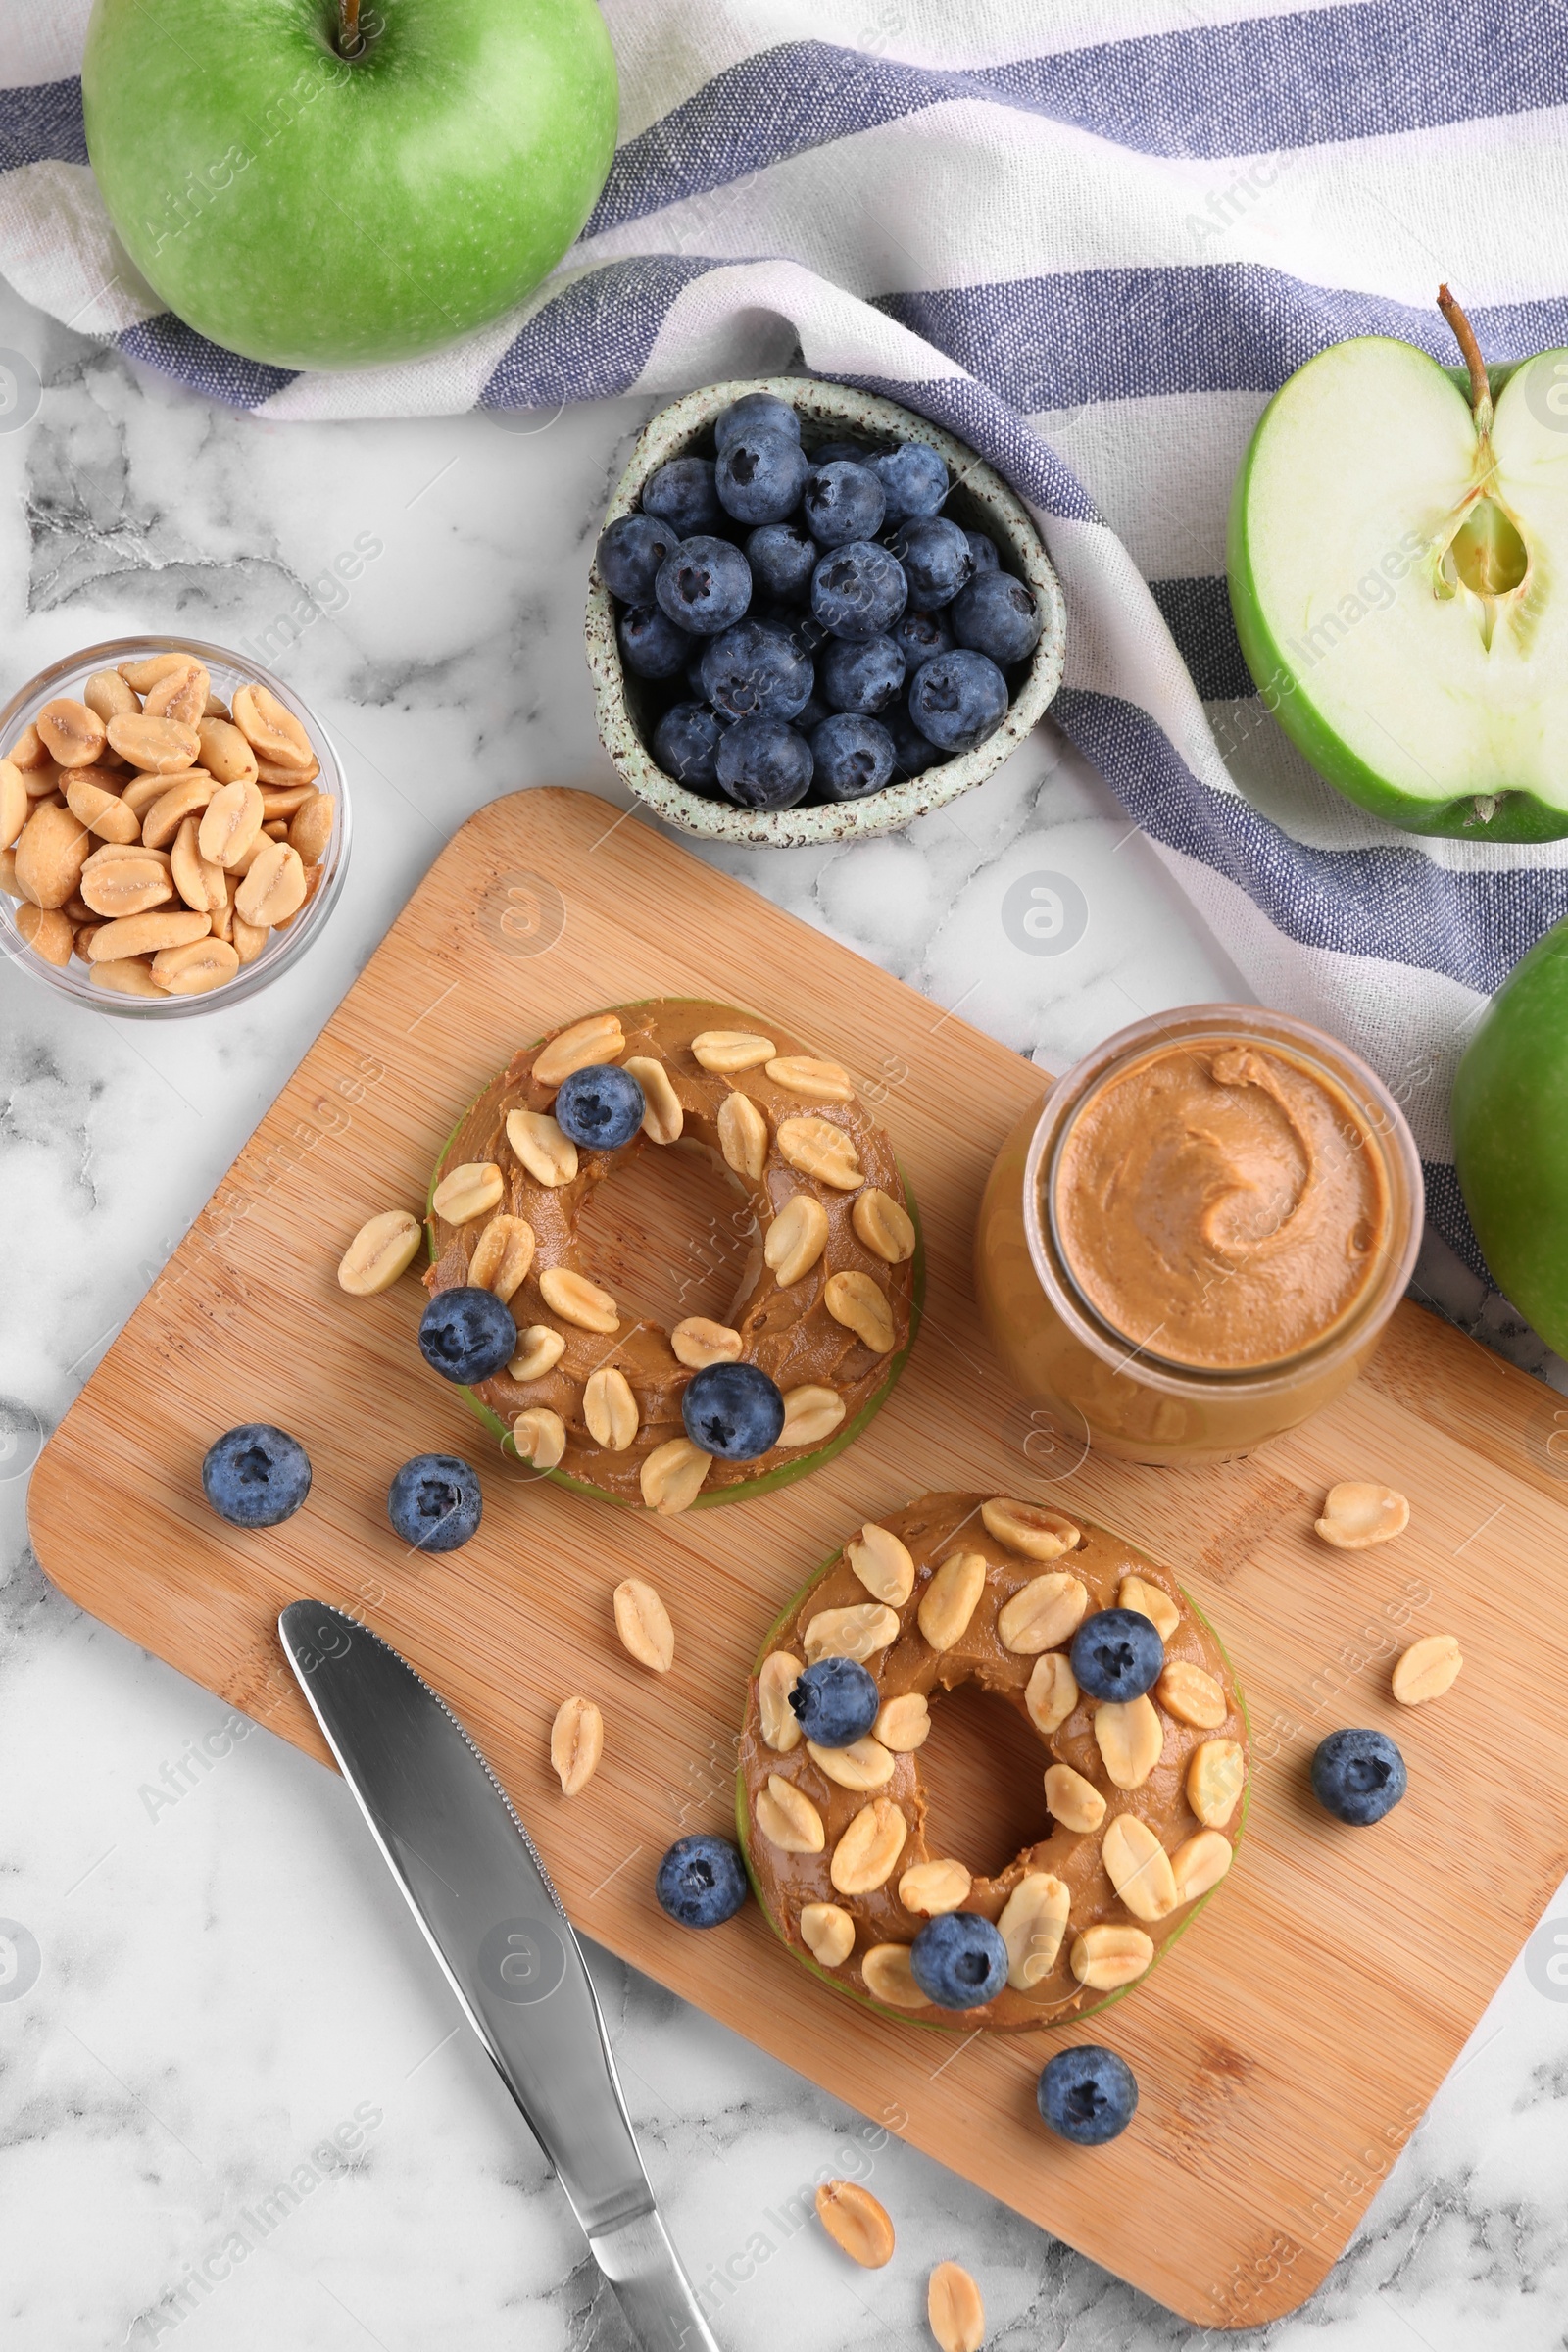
x=601, y=1108
x=466, y=1334
x=958, y=1960
x=1117, y=1656
x=733, y=1410
x=835, y=1702
x=255, y=1475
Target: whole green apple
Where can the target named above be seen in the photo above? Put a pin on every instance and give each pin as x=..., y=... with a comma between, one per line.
x=316, y=209
x=1398, y=572
x=1510, y=1134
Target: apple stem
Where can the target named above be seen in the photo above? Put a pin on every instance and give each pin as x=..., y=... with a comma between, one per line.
x=350, y=41
x=1464, y=334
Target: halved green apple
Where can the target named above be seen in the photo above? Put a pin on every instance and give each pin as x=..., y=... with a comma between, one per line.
x=1392, y=557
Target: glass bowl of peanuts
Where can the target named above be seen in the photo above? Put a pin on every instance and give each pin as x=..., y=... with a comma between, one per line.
x=173, y=827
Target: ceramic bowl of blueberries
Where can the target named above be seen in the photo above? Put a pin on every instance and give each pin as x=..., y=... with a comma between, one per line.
x=814, y=615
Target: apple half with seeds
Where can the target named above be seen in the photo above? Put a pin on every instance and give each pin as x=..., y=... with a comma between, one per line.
x=1391, y=556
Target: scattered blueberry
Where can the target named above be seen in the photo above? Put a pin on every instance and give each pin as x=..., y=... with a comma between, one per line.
x=914, y=479
x=922, y=636
x=1359, y=1776
x=1117, y=1654
x=859, y=590
x=854, y=756
x=682, y=494
x=651, y=645
x=705, y=586
x=912, y=752
x=764, y=764
x=842, y=501
x=960, y=1960
x=434, y=1503
x=466, y=1334
x=757, y=669
x=754, y=413
x=863, y=677
x=782, y=556
x=630, y=551
x=958, y=699
x=936, y=560
x=984, y=552
x=255, y=1475
x=733, y=1410
x=701, y=1881
x=600, y=1106
x=686, y=743
x=1087, y=2094
x=759, y=475
x=995, y=615
x=835, y=1702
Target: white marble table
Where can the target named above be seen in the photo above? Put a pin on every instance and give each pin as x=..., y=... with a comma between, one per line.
x=218, y=1990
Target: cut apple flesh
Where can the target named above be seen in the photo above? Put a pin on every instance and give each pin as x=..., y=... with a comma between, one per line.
x=1396, y=583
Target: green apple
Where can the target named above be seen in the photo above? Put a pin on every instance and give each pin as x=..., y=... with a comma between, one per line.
x=1396, y=559
x=318, y=205
x=1510, y=1135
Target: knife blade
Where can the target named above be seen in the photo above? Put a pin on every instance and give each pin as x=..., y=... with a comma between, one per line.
x=472, y=1877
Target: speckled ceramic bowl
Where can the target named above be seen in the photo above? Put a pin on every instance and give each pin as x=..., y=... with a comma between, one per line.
x=980, y=500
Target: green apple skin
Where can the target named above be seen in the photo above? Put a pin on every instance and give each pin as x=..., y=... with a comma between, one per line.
x=313, y=210
x=1510, y=1133
x=1385, y=405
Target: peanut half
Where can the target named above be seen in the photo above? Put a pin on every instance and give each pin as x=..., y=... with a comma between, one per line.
x=662, y=1116
x=1029, y=1528
x=470, y=1189
x=53, y=849
x=882, y=1563
x=225, y=753
x=1052, y=1692
x=795, y=1239
x=1427, y=1669
x=539, y=1437
x=71, y=733
x=576, y=1744
x=742, y=1136
x=816, y=1147
x=274, y=886
x=1032, y=1926
x=728, y=1051
x=867, y=1853
x=101, y=810
x=131, y=885
x=383, y=1249
x=192, y=969
x=643, y=1623
x=903, y=1724
x=856, y=2223
x=817, y=1081
x=955, y=2313
x=951, y=1598
x=271, y=729
x=159, y=747
x=1138, y=1867
x=548, y=1155
x=811, y=1414
x=539, y=1350
x=610, y=1409
x=146, y=934
x=1199, y=1864
x=597, y=1039
x=788, y=1819
x=48, y=933
x=230, y=824
x=1192, y=1695
x=1217, y=1774
x=864, y=1764
x=858, y=1302
x=1041, y=1614
x=578, y=1302
x=1130, y=1737
x=780, y=1725
x=180, y=693
x=882, y=1226
x=1072, y=1800
x=15, y=804
x=931, y=1887
x=828, y=1933
x=1151, y=1600
x=696, y=1342
x=857, y=1632
x=502, y=1257
x=1358, y=1514
x=671, y=1478
x=887, y=1974
x=1106, y=1957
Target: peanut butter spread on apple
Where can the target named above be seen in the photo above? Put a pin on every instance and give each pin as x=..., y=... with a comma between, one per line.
x=1220, y=1203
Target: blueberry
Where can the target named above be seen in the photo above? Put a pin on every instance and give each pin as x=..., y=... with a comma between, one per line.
x=682, y=494
x=685, y=743
x=1117, y=1654
x=651, y=645
x=701, y=1881
x=466, y=1334
x=842, y=501
x=705, y=586
x=835, y=1702
x=936, y=560
x=600, y=1106
x=809, y=719
x=858, y=591
x=960, y=1960
x=782, y=556
x=255, y=1475
x=854, y=756
x=855, y=452
x=862, y=678
x=630, y=551
x=995, y=615
x=759, y=476
x=912, y=752
x=1359, y=1776
x=764, y=764
x=756, y=668
x=434, y=1503
x=1087, y=2094
x=984, y=551
x=922, y=636
x=914, y=479
x=694, y=669
x=754, y=413
x=958, y=699
x=733, y=1410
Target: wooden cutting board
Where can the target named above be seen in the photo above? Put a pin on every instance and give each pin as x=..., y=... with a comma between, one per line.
x=1288, y=2044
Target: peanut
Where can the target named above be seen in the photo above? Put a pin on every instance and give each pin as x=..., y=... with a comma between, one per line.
x=882, y=1226
x=864, y=1764
x=934, y=1887
x=159, y=747
x=903, y=1724
x=502, y=1257
x=148, y=669
x=274, y=886
x=548, y=1156
x=27, y=753
x=232, y=823
x=192, y=969
x=248, y=939
x=696, y=1342
x=271, y=729
x=856, y=2223
x=539, y=1437
x=643, y=1623
x=124, y=976
x=780, y=1725
x=1131, y=1740
x=310, y=827
x=811, y=1414
x=950, y=1597
x=71, y=733
x=888, y=1975
x=673, y=1476
x=539, y=1350
x=860, y=1304
x=788, y=1819
x=1042, y=1613
x=882, y=1563
x=663, y=1115
x=1215, y=1778
x=1151, y=1600
x=610, y=1409
x=867, y=1853
x=816, y=1147
x=102, y=812
x=273, y=778
x=284, y=800
x=1138, y=1867
x=1106, y=1957
x=828, y=1933
x=579, y=1048
x=179, y=693
x=46, y=931
x=14, y=802
x=146, y=934
x=729, y=1051
x=1358, y=1514
x=471, y=1190
x=742, y=1136
x=1029, y=1528
x=1192, y=1695
x=1072, y=1800
x=1052, y=1692
x=1032, y=1926
x=53, y=848
x=795, y=1239
x=225, y=753
x=576, y=1744
x=856, y=1632
x=141, y=794
x=1199, y=1864
x=1427, y=1669
x=955, y=2313
x=187, y=797
x=383, y=1249
x=128, y=885
x=817, y=1081
x=577, y=1301
x=108, y=696
x=200, y=883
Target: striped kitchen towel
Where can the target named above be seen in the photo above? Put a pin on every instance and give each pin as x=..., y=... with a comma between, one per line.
x=1091, y=238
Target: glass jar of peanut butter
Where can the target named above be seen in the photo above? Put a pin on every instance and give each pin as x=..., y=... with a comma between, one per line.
x=1197, y=1240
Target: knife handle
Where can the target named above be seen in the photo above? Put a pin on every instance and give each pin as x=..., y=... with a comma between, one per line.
x=654, y=2291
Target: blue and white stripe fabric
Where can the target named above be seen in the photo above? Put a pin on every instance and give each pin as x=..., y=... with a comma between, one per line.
x=1091, y=239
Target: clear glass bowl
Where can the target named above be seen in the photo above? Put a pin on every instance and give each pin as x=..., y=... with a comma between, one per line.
x=283, y=949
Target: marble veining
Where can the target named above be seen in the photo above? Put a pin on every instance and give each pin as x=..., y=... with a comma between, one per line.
x=236, y=2107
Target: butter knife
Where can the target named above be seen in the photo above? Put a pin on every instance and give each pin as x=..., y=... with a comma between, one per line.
x=470, y=1875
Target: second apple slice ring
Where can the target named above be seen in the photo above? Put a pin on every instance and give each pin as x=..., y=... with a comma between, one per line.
x=828, y=1304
